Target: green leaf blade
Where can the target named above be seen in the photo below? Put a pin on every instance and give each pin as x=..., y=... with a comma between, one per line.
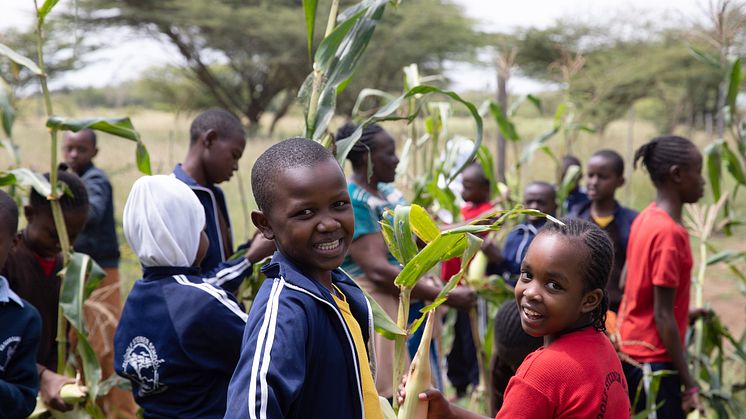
x=20, y=59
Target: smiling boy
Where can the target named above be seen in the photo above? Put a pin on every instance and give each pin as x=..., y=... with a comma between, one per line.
x=605, y=175
x=304, y=348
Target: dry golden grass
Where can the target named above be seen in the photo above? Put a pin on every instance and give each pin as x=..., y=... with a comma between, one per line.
x=166, y=136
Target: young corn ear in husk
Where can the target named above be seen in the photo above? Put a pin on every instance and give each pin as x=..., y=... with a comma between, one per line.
x=73, y=393
x=475, y=275
x=420, y=376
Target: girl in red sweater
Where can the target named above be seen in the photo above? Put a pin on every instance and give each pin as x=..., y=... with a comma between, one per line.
x=561, y=295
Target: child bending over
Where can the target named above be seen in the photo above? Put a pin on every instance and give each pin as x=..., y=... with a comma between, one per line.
x=304, y=351
x=561, y=297
x=179, y=338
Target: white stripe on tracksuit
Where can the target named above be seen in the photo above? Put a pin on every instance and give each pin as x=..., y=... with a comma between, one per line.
x=229, y=273
x=270, y=321
x=216, y=293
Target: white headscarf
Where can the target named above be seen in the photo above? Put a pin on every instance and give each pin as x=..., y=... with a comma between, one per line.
x=163, y=220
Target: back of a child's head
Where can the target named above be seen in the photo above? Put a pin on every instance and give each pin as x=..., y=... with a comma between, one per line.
x=613, y=158
x=287, y=154
x=661, y=153
x=8, y=216
x=599, y=258
x=360, y=151
x=162, y=221
x=74, y=195
x=224, y=123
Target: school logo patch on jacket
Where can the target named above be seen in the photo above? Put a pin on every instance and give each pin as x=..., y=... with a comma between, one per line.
x=7, y=349
x=141, y=363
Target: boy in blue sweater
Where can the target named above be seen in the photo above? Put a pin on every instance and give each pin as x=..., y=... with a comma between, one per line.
x=179, y=338
x=304, y=352
x=20, y=330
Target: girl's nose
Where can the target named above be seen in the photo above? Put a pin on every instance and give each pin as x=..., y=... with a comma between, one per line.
x=531, y=291
x=328, y=224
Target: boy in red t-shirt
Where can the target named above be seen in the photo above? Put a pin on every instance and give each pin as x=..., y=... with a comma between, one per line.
x=463, y=369
x=654, y=312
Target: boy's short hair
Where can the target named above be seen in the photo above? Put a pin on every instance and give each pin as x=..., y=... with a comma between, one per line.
x=617, y=162
x=287, y=154
x=91, y=135
x=221, y=121
x=8, y=213
x=546, y=185
x=75, y=195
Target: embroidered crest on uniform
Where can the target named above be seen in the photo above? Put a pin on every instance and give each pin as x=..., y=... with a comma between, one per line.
x=141, y=365
x=7, y=349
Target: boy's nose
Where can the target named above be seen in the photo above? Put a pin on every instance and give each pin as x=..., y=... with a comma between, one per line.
x=328, y=224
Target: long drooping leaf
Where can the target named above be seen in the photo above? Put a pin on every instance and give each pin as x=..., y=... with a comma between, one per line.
x=91, y=366
x=309, y=10
x=7, y=112
x=504, y=124
x=537, y=144
x=713, y=163
x=473, y=245
x=81, y=276
x=20, y=59
x=120, y=127
x=385, y=113
x=26, y=178
x=733, y=164
x=366, y=93
x=735, y=77
x=382, y=323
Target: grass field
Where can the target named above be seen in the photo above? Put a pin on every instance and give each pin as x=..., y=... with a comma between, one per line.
x=166, y=136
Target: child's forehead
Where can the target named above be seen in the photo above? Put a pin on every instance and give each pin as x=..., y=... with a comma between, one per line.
x=301, y=178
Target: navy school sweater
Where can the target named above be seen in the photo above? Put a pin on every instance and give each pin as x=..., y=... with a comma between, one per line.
x=298, y=359
x=20, y=329
x=178, y=342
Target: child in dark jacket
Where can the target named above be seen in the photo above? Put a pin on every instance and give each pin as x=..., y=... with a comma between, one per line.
x=20, y=328
x=304, y=348
x=179, y=338
x=32, y=269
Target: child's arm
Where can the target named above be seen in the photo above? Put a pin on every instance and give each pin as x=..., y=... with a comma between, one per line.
x=20, y=381
x=272, y=368
x=99, y=193
x=668, y=330
x=50, y=386
x=229, y=274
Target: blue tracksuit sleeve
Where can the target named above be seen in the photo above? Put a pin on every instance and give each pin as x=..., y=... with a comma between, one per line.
x=212, y=320
x=19, y=382
x=272, y=367
x=99, y=193
x=228, y=275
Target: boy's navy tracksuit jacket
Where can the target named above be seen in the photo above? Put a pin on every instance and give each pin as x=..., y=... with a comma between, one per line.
x=298, y=359
x=178, y=342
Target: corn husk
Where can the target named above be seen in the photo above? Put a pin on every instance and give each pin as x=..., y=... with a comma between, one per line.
x=73, y=393
x=476, y=274
x=386, y=409
x=420, y=376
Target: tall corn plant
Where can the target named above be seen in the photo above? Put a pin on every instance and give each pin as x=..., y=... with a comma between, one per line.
x=80, y=274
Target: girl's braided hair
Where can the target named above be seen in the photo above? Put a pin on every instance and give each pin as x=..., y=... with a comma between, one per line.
x=599, y=259
x=364, y=146
x=660, y=153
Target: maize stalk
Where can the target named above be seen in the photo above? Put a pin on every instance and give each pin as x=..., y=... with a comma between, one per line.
x=420, y=377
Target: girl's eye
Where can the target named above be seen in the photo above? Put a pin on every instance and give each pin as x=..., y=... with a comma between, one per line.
x=525, y=275
x=304, y=213
x=554, y=286
x=340, y=204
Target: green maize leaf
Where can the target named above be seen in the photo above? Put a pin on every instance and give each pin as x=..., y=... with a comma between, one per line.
x=704, y=57
x=113, y=381
x=422, y=225
x=572, y=176
x=326, y=53
x=474, y=243
x=536, y=102
x=26, y=178
x=309, y=10
x=440, y=249
x=91, y=366
x=366, y=93
x=733, y=164
x=388, y=236
x=45, y=9
x=7, y=112
x=20, y=59
x=560, y=113
x=80, y=277
x=121, y=127
x=142, y=157
x=712, y=159
x=488, y=168
x=537, y=144
x=403, y=233
x=507, y=129
x=382, y=323
x=445, y=197
x=734, y=82
x=725, y=256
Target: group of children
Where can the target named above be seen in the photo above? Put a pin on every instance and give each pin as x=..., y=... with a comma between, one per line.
x=305, y=349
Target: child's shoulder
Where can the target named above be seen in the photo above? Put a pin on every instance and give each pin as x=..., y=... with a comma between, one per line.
x=568, y=356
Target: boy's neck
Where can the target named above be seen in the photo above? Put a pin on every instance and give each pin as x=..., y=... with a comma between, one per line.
x=193, y=167
x=603, y=208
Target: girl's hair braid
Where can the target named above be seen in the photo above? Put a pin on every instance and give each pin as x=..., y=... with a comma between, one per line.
x=660, y=153
x=599, y=259
x=358, y=155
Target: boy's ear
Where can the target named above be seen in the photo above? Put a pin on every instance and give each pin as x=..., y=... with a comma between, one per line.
x=261, y=222
x=591, y=300
x=95, y=152
x=28, y=212
x=209, y=137
x=620, y=181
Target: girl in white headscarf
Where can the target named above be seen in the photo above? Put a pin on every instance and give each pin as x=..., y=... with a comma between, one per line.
x=179, y=338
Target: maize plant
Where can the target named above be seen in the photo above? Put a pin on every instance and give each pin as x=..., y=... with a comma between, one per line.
x=80, y=274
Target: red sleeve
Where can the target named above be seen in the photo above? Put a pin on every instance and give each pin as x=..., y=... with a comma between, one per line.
x=667, y=260
x=523, y=401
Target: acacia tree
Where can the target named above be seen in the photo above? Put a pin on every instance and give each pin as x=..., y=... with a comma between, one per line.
x=251, y=56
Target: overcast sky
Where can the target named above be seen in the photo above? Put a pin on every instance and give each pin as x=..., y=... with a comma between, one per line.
x=135, y=54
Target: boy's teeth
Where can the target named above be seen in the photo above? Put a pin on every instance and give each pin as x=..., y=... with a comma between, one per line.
x=328, y=246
